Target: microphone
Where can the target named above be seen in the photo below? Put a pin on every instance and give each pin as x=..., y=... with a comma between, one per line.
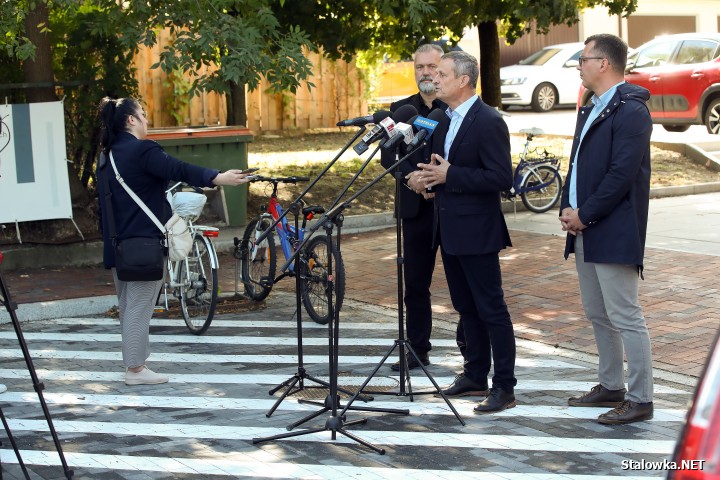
x=426, y=127
x=385, y=129
x=375, y=118
x=404, y=133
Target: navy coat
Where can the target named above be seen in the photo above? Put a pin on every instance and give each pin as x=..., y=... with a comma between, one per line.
x=146, y=169
x=613, y=179
x=467, y=206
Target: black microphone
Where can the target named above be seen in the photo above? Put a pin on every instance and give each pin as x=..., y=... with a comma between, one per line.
x=376, y=117
x=385, y=129
x=426, y=126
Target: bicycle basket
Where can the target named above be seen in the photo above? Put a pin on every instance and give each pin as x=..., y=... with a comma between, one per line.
x=188, y=204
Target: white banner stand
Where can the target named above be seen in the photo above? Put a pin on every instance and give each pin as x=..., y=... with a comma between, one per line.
x=34, y=182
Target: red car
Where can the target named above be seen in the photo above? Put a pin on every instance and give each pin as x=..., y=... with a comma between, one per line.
x=682, y=73
x=697, y=454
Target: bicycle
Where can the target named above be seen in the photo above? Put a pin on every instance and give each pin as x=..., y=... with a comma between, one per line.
x=536, y=180
x=258, y=260
x=194, y=280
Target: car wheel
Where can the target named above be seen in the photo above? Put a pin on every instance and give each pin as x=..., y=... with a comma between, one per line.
x=712, y=117
x=544, y=98
x=676, y=128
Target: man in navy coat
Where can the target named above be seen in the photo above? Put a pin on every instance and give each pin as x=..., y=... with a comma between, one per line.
x=604, y=209
x=471, y=166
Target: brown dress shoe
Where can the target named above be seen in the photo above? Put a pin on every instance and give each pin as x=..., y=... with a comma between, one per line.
x=599, y=396
x=463, y=387
x=411, y=362
x=627, y=412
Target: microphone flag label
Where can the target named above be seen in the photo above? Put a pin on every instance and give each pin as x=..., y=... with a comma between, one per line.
x=425, y=123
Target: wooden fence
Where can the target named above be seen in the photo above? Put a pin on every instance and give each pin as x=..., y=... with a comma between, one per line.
x=339, y=93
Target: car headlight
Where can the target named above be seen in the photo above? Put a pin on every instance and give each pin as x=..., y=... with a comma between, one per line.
x=513, y=81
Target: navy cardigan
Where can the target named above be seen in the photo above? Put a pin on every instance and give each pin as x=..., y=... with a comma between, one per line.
x=146, y=169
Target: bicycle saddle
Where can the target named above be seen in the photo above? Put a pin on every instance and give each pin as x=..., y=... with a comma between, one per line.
x=313, y=209
x=533, y=131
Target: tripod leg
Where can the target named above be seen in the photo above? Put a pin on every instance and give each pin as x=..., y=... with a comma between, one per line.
x=307, y=418
x=359, y=440
x=287, y=435
x=367, y=380
x=288, y=391
x=14, y=446
x=37, y=384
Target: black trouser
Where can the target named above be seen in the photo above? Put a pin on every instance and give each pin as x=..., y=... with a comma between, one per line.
x=484, y=330
x=419, y=263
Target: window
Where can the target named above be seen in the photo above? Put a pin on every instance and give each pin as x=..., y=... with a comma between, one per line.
x=696, y=51
x=655, y=55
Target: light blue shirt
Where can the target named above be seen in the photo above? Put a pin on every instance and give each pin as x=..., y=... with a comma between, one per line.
x=600, y=103
x=456, y=119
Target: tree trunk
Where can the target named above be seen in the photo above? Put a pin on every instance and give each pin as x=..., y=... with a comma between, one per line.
x=236, y=106
x=490, y=63
x=40, y=69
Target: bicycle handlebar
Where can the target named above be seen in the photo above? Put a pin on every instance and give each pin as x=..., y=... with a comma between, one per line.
x=276, y=180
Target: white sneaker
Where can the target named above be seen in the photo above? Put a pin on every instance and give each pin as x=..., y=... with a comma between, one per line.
x=144, y=377
x=3, y=388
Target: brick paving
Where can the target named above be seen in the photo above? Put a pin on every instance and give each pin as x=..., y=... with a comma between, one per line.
x=679, y=295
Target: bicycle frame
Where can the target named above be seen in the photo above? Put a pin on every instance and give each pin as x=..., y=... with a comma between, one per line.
x=289, y=238
x=527, y=167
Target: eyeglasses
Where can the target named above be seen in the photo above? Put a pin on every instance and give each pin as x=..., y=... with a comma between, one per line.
x=582, y=60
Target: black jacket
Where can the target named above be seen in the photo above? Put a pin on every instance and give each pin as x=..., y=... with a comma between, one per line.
x=409, y=200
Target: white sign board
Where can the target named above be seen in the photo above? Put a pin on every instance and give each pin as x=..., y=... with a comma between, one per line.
x=34, y=181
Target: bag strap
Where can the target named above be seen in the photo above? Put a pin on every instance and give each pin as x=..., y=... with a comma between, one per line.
x=132, y=194
x=108, y=200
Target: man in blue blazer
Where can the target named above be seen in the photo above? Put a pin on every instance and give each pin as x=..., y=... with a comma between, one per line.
x=604, y=209
x=470, y=167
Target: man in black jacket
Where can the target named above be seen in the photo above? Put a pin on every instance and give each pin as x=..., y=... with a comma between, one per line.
x=416, y=212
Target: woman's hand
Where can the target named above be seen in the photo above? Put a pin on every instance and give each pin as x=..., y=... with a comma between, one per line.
x=231, y=177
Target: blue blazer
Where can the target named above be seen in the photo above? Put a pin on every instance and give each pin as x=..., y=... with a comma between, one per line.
x=468, y=215
x=613, y=179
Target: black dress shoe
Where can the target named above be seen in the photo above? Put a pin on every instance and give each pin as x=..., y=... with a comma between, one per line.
x=599, y=396
x=411, y=362
x=497, y=401
x=463, y=387
x=627, y=412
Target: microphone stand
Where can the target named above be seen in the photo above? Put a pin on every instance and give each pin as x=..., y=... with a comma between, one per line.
x=296, y=382
x=401, y=343
x=335, y=423
x=11, y=306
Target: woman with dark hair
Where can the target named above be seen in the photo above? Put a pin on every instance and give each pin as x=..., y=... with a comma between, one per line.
x=146, y=169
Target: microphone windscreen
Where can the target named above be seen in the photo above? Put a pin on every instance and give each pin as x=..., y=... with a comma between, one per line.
x=436, y=115
x=404, y=113
x=379, y=116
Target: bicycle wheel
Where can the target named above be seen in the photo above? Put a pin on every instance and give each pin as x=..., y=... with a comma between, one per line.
x=198, y=295
x=542, y=199
x=315, y=288
x=257, y=260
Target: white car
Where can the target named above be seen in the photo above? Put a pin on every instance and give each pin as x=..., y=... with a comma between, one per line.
x=546, y=78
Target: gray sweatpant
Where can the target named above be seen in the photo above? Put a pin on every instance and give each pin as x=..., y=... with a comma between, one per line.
x=136, y=301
